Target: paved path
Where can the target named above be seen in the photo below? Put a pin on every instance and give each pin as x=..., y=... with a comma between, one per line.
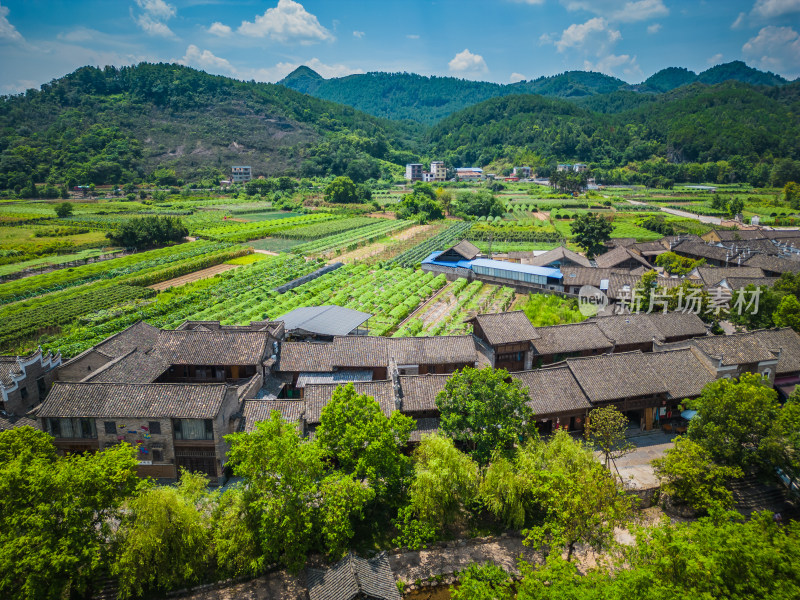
x=683, y=213
x=635, y=467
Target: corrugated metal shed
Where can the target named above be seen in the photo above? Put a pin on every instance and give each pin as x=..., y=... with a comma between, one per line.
x=323, y=320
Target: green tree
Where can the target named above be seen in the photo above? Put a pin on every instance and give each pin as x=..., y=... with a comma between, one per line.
x=65, y=209
x=581, y=501
x=445, y=483
x=341, y=190
x=235, y=539
x=483, y=582
x=735, y=206
x=689, y=476
x=677, y=265
x=343, y=498
x=484, y=409
x=791, y=194
x=479, y=204
x=164, y=538
x=420, y=208
x=734, y=418
x=147, y=232
x=362, y=441
x=782, y=444
x=788, y=313
x=56, y=514
x=591, y=232
x=605, y=429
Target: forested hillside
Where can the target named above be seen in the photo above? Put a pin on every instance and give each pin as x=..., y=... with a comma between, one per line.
x=114, y=125
x=694, y=123
x=429, y=99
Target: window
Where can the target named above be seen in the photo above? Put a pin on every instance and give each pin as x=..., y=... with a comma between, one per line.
x=42, y=388
x=154, y=427
x=23, y=393
x=194, y=429
x=72, y=428
x=158, y=456
x=110, y=427
x=767, y=373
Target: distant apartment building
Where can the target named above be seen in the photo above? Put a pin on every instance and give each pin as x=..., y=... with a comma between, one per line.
x=414, y=172
x=469, y=174
x=564, y=167
x=522, y=172
x=438, y=171
x=241, y=174
x=580, y=167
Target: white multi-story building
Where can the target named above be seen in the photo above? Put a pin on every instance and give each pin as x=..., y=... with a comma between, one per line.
x=241, y=174
x=438, y=171
x=580, y=167
x=414, y=172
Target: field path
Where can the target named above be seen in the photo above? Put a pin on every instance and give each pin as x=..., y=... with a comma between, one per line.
x=378, y=247
x=190, y=277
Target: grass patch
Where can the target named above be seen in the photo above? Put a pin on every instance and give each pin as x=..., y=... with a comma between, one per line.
x=274, y=244
x=247, y=259
x=544, y=310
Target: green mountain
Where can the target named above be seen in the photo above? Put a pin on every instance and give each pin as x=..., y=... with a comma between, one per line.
x=110, y=125
x=427, y=100
x=691, y=123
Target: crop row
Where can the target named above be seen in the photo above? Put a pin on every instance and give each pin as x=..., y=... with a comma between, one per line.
x=30, y=324
x=316, y=231
x=243, y=288
x=352, y=239
x=258, y=229
x=117, y=267
x=442, y=241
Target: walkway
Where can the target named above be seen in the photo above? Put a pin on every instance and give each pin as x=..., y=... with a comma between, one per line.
x=682, y=213
x=635, y=468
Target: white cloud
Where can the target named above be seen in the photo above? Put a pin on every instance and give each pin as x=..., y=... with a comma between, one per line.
x=611, y=63
x=578, y=34
x=287, y=22
x=769, y=9
x=620, y=10
x=714, y=60
x=467, y=62
x=515, y=77
x=358, y=34
x=775, y=49
x=19, y=86
x=220, y=29
x=654, y=28
x=739, y=21
x=7, y=31
x=153, y=21
x=206, y=60
x=528, y=1
x=158, y=9
x=412, y=36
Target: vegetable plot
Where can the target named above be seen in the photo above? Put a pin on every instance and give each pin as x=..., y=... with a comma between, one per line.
x=442, y=241
x=244, y=232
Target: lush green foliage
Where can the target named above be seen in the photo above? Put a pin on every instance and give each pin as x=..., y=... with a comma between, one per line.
x=420, y=208
x=148, y=232
x=544, y=310
x=56, y=514
x=482, y=582
x=482, y=410
x=591, y=232
x=605, y=429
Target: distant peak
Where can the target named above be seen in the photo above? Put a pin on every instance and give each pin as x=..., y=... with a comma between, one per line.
x=302, y=72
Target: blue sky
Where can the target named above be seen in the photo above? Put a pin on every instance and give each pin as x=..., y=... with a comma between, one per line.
x=497, y=40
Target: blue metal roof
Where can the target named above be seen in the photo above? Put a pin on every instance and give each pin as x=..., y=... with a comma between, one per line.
x=494, y=264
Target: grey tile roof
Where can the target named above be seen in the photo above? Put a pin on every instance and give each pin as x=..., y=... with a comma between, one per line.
x=738, y=283
x=323, y=320
x=354, y=577
x=684, y=375
x=558, y=254
x=305, y=356
x=360, y=351
x=120, y=400
x=261, y=410
x=623, y=330
x=424, y=426
x=774, y=264
x=711, y=276
x=698, y=250
x=139, y=336
x=419, y=392
x=616, y=376
x=764, y=246
x=506, y=328
x=343, y=377
x=467, y=249
x=729, y=235
x=788, y=342
x=134, y=367
x=317, y=395
x=781, y=233
x=737, y=349
x=677, y=324
x=580, y=276
x=553, y=390
x=650, y=248
x=7, y=423
x=223, y=347
x=448, y=349
x=575, y=337
x=617, y=256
